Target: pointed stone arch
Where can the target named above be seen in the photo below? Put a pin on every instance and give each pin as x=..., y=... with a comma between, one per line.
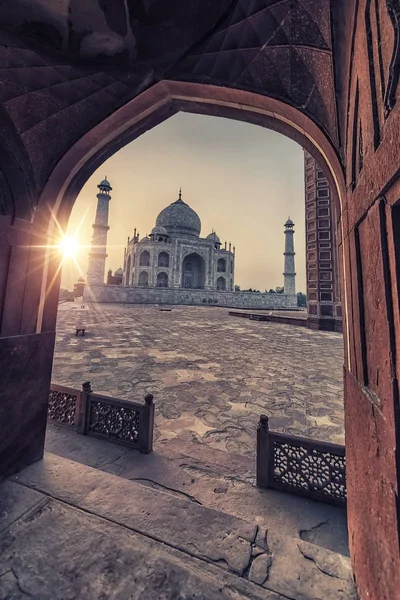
x=128, y=271
x=143, y=278
x=221, y=284
x=163, y=259
x=193, y=271
x=144, y=258
x=221, y=265
x=162, y=279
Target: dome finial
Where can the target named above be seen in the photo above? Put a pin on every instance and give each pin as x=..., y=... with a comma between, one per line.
x=180, y=193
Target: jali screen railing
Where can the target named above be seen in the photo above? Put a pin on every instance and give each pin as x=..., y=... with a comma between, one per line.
x=128, y=423
x=300, y=466
x=63, y=402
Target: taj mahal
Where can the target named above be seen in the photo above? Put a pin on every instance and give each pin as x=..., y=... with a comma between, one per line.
x=174, y=255
x=175, y=265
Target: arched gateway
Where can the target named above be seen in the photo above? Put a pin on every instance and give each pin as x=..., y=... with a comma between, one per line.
x=193, y=272
x=325, y=74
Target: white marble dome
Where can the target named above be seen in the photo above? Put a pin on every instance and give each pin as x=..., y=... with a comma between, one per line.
x=159, y=231
x=213, y=237
x=179, y=218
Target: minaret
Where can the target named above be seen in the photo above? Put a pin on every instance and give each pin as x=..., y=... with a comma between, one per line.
x=98, y=253
x=289, y=275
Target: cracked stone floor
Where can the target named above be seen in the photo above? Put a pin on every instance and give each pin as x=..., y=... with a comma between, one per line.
x=111, y=538
x=211, y=374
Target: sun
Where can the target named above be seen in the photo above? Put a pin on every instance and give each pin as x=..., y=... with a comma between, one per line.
x=69, y=246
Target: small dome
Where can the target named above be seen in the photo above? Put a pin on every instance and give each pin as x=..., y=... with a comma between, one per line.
x=119, y=271
x=289, y=223
x=213, y=237
x=105, y=184
x=179, y=219
x=159, y=231
x=145, y=239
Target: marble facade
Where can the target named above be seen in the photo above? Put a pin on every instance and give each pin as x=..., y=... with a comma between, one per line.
x=174, y=265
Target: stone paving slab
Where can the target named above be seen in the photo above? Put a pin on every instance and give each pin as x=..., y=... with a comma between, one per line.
x=212, y=375
x=185, y=525
x=15, y=501
x=56, y=552
x=213, y=478
x=43, y=548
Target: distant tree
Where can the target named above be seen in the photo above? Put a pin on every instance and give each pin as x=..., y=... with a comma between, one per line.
x=301, y=299
x=237, y=288
x=279, y=290
x=66, y=295
x=78, y=287
x=271, y=291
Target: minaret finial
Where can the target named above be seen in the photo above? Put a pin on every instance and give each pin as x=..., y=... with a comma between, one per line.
x=180, y=193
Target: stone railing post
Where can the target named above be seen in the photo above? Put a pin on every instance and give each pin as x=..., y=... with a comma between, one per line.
x=81, y=407
x=264, y=456
x=146, y=427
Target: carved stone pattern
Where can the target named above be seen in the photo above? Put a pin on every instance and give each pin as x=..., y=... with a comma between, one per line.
x=278, y=48
x=394, y=67
x=310, y=470
x=117, y=422
x=253, y=45
x=62, y=407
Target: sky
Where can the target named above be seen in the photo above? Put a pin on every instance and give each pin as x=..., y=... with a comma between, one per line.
x=242, y=180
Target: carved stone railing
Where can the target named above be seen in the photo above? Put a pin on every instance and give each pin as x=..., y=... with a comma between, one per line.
x=62, y=407
x=300, y=466
x=128, y=423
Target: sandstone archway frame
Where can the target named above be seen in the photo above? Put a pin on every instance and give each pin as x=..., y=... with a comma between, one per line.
x=144, y=112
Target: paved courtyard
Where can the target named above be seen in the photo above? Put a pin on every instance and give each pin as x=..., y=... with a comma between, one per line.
x=212, y=375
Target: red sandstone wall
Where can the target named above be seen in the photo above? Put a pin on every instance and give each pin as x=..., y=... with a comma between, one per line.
x=370, y=124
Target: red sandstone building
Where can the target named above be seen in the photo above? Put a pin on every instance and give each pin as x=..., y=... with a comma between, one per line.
x=79, y=80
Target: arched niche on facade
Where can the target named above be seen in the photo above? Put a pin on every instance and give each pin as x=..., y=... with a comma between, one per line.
x=128, y=270
x=221, y=265
x=162, y=279
x=221, y=283
x=143, y=278
x=144, y=259
x=193, y=272
x=163, y=259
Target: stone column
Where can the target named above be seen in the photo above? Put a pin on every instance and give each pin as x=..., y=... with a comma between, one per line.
x=289, y=275
x=98, y=253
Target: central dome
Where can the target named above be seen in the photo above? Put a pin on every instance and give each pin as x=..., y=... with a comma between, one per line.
x=179, y=219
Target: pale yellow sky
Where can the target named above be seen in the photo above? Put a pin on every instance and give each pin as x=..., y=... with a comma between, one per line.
x=242, y=180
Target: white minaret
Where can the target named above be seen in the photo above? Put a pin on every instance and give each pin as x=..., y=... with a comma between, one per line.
x=98, y=252
x=289, y=275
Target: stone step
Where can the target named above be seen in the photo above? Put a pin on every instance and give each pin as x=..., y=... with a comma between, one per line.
x=267, y=561
x=213, y=478
x=51, y=550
